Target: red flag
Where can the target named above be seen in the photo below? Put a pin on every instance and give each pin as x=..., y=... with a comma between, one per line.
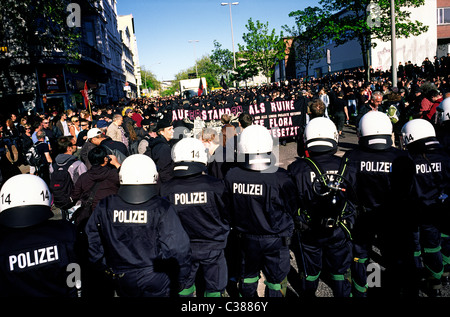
x=85, y=95
x=200, y=88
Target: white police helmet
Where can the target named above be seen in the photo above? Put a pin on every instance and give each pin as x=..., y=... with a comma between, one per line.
x=321, y=135
x=443, y=111
x=189, y=156
x=419, y=134
x=375, y=131
x=25, y=201
x=138, y=176
x=256, y=144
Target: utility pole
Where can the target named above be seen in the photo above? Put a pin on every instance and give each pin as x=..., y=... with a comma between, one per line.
x=393, y=46
x=231, y=23
x=195, y=57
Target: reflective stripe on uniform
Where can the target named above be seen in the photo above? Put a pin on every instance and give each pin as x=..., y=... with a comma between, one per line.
x=312, y=278
x=432, y=250
x=250, y=280
x=187, y=291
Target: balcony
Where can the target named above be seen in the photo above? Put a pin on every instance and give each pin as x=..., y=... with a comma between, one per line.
x=90, y=52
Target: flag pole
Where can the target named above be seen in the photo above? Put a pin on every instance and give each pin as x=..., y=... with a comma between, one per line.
x=90, y=111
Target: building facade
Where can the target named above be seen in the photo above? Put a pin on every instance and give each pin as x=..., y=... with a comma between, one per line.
x=443, y=27
x=413, y=49
x=130, y=56
x=55, y=82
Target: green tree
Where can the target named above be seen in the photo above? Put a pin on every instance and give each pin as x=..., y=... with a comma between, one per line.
x=223, y=58
x=149, y=80
x=244, y=70
x=34, y=31
x=205, y=68
x=308, y=36
x=361, y=22
x=211, y=71
x=262, y=47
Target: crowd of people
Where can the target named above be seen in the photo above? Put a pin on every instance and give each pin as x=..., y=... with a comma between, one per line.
x=147, y=213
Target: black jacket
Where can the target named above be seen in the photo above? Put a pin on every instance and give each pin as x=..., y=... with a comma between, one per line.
x=127, y=237
x=161, y=153
x=34, y=260
x=372, y=174
x=109, y=178
x=432, y=175
x=261, y=203
x=314, y=207
x=200, y=201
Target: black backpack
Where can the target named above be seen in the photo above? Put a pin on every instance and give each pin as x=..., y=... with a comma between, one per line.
x=148, y=150
x=331, y=194
x=32, y=156
x=61, y=184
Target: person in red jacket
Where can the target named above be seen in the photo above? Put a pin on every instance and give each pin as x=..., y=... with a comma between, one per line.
x=429, y=104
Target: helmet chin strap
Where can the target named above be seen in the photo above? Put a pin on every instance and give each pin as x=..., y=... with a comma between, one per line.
x=376, y=142
x=137, y=194
x=258, y=162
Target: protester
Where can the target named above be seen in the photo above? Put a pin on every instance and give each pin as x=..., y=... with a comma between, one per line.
x=100, y=181
x=159, y=149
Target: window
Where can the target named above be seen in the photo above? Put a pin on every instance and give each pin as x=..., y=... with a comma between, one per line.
x=443, y=16
x=90, y=33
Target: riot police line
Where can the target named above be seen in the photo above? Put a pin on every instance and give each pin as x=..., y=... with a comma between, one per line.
x=162, y=239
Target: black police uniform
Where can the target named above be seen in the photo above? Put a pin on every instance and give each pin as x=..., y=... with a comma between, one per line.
x=261, y=206
x=431, y=186
x=443, y=135
x=200, y=202
x=34, y=260
x=373, y=190
x=323, y=233
x=143, y=246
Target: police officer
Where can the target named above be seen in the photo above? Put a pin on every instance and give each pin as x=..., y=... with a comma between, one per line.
x=443, y=124
x=443, y=135
x=262, y=204
x=396, y=234
x=200, y=201
x=372, y=161
x=431, y=188
x=324, y=219
x=137, y=237
x=35, y=251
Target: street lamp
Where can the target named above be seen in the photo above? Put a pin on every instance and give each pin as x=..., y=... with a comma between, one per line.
x=195, y=57
x=231, y=23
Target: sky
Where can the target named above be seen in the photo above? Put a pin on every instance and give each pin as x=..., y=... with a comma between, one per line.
x=164, y=28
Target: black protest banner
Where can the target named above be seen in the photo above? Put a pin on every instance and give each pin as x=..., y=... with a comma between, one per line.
x=203, y=114
x=285, y=118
